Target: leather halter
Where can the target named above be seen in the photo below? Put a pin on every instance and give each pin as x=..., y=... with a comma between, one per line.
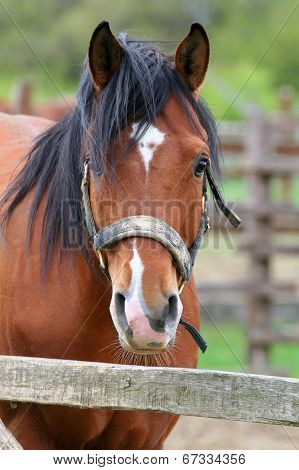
x=156, y=229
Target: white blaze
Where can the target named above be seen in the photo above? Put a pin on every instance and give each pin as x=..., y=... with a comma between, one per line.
x=148, y=143
x=134, y=308
x=137, y=269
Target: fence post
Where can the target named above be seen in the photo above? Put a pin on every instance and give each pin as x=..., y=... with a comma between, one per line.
x=285, y=105
x=21, y=102
x=259, y=147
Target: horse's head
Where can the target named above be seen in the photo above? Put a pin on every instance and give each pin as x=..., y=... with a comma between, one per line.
x=155, y=161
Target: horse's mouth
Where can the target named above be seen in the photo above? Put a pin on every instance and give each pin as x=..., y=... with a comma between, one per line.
x=153, y=348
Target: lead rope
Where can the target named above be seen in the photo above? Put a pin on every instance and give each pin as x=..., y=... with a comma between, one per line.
x=201, y=343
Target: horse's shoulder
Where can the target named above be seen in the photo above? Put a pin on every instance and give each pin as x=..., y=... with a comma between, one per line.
x=14, y=128
x=17, y=133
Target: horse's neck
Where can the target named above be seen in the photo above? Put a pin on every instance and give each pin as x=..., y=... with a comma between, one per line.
x=60, y=316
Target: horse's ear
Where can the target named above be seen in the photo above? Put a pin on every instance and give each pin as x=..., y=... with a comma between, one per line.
x=104, y=55
x=192, y=57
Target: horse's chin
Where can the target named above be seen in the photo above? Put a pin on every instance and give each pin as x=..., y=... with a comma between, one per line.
x=145, y=352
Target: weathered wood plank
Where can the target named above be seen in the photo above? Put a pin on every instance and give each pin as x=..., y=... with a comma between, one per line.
x=191, y=392
x=7, y=440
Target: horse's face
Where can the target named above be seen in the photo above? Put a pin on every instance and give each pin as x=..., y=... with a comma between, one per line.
x=162, y=176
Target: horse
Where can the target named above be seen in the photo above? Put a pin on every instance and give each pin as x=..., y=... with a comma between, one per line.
x=100, y=223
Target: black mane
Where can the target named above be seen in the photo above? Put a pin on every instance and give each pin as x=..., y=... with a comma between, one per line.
x=138, y=91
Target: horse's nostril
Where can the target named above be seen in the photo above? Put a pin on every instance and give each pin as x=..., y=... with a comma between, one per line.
x=119, y=303
x=160, y=324
x=157, y=324
x=172, y=312
x=173, y=306
x=119, y=300
x=166, y=319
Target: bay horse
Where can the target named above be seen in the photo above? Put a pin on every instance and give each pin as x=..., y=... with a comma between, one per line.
x=101, y=278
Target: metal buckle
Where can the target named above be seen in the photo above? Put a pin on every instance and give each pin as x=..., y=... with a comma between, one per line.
x=85, y=181
x=85, y=174
x=102, y=262
x=182, y=287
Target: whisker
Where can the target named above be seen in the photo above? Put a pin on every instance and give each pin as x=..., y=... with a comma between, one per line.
x=156, y=359
x=111, y=345
x=117, y=354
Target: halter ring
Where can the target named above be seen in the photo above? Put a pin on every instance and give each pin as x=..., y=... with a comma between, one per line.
x=101, y=258
x=181, y=288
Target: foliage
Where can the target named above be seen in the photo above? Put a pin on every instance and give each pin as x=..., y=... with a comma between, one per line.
x=241, y=32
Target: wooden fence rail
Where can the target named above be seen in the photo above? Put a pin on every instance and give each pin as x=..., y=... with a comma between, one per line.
x=224, y=395
x=7, y=440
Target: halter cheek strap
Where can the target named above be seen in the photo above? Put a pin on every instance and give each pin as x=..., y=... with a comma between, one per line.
x=156, y=229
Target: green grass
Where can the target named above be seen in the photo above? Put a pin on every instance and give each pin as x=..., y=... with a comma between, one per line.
x=227, y=350
x=236, y=190
x=286, y=355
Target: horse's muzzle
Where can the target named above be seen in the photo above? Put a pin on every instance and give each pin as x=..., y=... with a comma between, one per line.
x=142, y=330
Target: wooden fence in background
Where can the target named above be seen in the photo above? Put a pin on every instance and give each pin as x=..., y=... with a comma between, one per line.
x=193, y=392
x=23, y=102
x=258, y=151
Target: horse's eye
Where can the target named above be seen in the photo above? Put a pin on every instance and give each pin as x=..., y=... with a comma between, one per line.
x=201, y=165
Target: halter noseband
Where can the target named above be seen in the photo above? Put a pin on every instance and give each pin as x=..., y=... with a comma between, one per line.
x=156, y=229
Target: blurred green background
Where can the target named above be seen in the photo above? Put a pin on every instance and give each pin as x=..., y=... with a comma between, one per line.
x=240, y=32
x=227, y=351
